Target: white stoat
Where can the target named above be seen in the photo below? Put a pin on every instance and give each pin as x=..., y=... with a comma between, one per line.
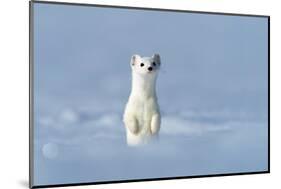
x=142, y=115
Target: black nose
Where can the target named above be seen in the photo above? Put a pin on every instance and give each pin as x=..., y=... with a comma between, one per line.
x=150, y=68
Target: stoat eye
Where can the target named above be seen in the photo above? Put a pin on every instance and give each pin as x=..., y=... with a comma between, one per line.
x=142, y=64
x=154, y=64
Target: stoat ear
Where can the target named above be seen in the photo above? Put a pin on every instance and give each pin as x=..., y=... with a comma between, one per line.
x=134, y=59
x=156, y=58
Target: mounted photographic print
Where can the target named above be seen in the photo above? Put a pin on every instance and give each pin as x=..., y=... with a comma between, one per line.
x=122, y=94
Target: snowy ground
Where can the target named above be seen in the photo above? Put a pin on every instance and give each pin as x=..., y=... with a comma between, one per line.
x=83, y=146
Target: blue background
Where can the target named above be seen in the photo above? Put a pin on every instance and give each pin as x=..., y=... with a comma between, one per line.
x=212, y=91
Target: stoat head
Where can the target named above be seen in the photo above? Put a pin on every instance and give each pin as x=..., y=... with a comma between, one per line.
x=145, y=65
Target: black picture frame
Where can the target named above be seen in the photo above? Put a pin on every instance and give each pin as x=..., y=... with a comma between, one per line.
x=31, y=94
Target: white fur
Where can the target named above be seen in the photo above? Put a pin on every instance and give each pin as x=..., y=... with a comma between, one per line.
x=142, y=115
